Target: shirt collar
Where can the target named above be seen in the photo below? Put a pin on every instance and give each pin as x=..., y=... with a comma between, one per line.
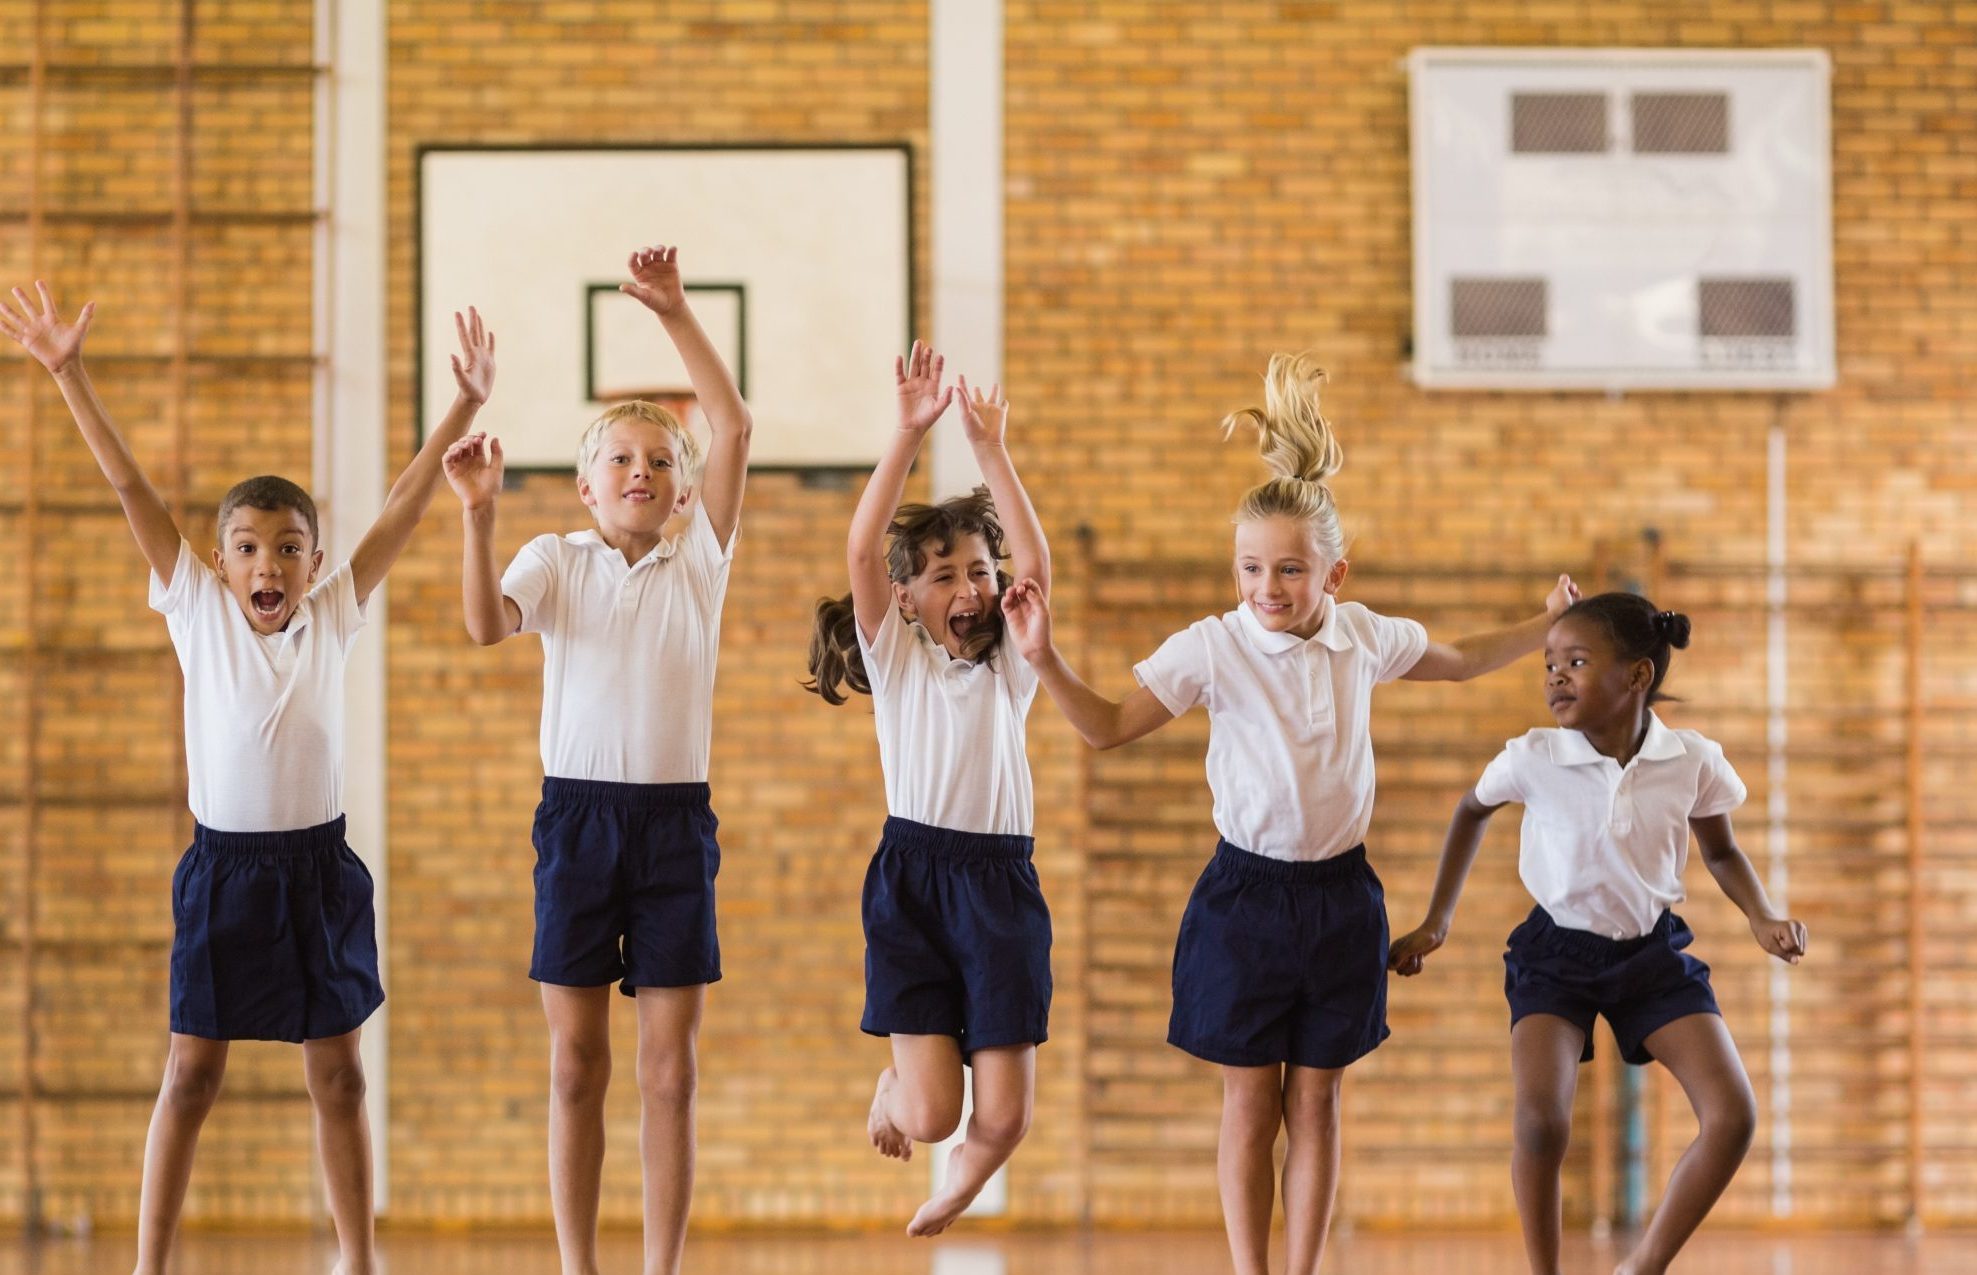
x=1571, y=748
x=591, y=540
x=1331, y=634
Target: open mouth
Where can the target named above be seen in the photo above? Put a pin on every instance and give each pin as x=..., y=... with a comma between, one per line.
x=962, y=623
x=267, y=603
x=639, y=496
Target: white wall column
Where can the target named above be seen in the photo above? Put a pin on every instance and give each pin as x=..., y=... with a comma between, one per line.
x=350, y=412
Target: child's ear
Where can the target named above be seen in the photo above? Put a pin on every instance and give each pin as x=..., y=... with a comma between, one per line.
x=1642, y=675
x=904, y=599
x=315, y=565
x=1336, y=576
x=685, y=499
x=583, y=491
x=220, y=561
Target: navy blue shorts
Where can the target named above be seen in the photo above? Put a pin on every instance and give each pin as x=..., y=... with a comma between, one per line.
x=1641, y=984
x=1281, y=962
x=273, y=936
x=624, y=885
x=957, y=938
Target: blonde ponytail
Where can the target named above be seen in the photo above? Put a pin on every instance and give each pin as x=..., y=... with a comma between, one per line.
x=1299, y=446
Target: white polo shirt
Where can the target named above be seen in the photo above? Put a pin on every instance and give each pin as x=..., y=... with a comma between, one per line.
x=951, y=739
x=263, y=713
x=1604, y=845
x=627, y=651
x=1290, y=751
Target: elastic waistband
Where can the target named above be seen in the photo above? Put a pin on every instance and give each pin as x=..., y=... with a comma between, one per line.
x=904, y=834
x=324, y=837
x=601, y=792
x=1255, y=867
x=1596, y=949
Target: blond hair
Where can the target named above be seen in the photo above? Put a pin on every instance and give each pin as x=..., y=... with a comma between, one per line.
x=651, y=413
x=1298, y=445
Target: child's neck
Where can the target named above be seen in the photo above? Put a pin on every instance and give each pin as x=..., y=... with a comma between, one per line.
x=634, y=545
x=1620, y=738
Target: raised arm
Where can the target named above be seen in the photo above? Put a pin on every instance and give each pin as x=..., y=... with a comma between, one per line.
x=1781, y=936
x=656, y=284
x=57, y=346
x=1465, y=835
x=1101, y=722
x=985, y=417
x=405, y=504
x=921, y=402
x=473, y=470
x=1481, y=653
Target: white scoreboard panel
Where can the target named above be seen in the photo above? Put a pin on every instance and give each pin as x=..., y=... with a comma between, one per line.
x=1622, y=219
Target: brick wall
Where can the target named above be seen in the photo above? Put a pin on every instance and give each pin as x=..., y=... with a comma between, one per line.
x=1190, y=187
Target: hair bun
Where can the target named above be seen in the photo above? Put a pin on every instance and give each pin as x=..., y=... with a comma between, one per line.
x=1673, y=626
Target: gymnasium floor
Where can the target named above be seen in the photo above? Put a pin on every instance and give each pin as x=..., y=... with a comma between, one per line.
x=1192, y=1253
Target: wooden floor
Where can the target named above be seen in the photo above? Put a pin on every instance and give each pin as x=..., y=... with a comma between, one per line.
x=1194, y=1253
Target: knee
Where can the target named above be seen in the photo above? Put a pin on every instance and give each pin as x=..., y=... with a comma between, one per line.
x=1731, y=1122
x=191, y=1086
x=579, y=1071
x=667, y=1080
x=1003, y=1128
x=338, y=1087
x=1544, y=1132
x=927, y=1117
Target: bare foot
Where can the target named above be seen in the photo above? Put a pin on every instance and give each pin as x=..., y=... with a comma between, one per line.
x=940, y=1211
x=1635, y=1265
x=885, y=1135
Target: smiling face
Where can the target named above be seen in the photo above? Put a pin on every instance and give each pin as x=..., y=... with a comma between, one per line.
x=267, y=560
x=954, y=593
x=1588, y=686
x=1282, y=575
x=637, y=479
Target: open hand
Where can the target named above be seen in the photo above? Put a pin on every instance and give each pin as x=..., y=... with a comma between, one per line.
x=41, y=332
x=656, y=279
x=1406, y=953
x=983, y=416
x=921, y=398
x=1026, y=617
x=1781, y=936
x=473, y=470
x=1563, y=594
x=473, y=366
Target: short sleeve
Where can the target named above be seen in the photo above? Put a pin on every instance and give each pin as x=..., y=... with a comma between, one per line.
x=1500, y=784
x=1399, y=643
x=529, y=581
x=1178, y=672
x=334, y=603
x=888, y=647
x=703, y=544
x=1017, y=673
x=187, y=573
x=1719, y=790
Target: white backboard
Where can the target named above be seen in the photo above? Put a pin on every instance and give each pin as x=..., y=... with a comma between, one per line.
x=797, y=261
x=1622, y=218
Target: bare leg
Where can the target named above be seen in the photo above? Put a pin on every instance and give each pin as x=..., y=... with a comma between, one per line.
x=918, y=1098
x=668, y=1027
x=343, y=1138
x=1544, y=1064
x=1245, y=1161
x=194, y=1067
x=1005, y=1094
x=1698, y=1049
x=1311, y=1163
x=579, y=1075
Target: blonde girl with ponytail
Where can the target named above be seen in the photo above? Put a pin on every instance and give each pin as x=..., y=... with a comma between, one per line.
x=1280, y=964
